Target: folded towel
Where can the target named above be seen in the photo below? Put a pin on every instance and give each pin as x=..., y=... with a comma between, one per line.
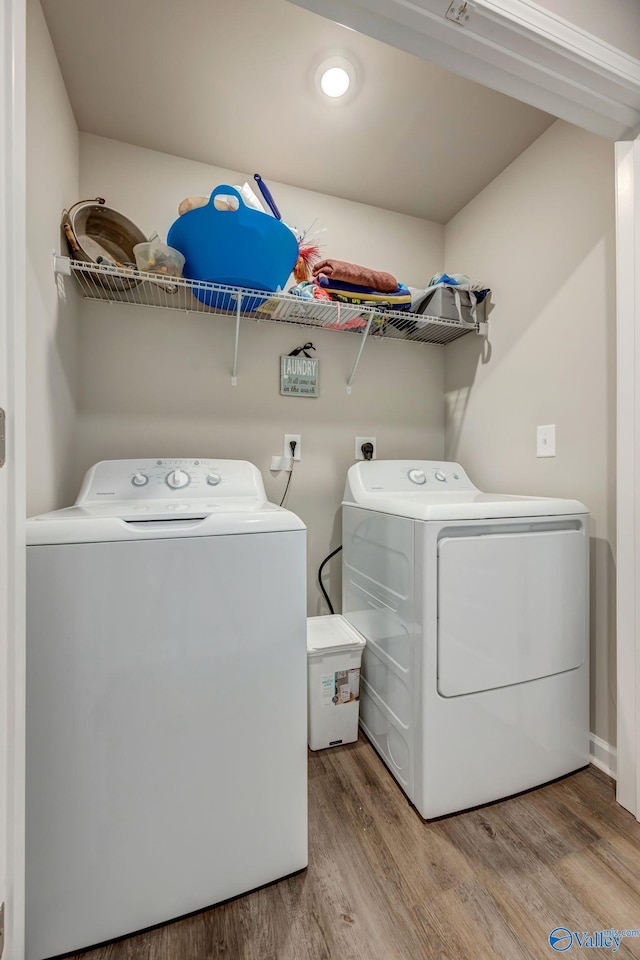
x=344, y=287
x=352, y=273
x=380, y=304
x=400, y=299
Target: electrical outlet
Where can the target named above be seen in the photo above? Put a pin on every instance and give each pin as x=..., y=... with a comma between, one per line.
x=359, y=442
x=546, y=441
x=460, y=12
x=288, y=437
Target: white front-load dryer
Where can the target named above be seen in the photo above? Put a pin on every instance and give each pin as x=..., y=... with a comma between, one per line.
x=166, y=699
x=475, y=677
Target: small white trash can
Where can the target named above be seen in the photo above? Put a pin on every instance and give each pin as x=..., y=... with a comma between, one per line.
x=334, y=652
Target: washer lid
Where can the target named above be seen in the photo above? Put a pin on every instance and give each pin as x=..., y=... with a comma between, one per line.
x=438, y=490
x=158, y=520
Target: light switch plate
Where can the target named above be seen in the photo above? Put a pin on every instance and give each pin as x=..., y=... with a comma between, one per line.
x=546, y=440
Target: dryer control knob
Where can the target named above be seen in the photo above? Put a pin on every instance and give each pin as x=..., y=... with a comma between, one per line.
x=139, y=479
x=177, y=479
x=417, y=476
x=439, y=475
x=213, y=479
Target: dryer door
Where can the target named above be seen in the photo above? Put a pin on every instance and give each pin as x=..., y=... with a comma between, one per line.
x=512, y=607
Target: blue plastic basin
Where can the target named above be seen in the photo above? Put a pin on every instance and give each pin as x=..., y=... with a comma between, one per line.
x=239, y=248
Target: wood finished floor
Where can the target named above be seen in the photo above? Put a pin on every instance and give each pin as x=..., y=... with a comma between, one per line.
x=383, y=885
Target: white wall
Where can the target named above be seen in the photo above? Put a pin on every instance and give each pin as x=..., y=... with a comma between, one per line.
x=542, y=236
x=155, y=383
x=52, y=184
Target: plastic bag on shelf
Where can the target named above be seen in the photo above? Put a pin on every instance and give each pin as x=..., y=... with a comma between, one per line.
x=223, y=203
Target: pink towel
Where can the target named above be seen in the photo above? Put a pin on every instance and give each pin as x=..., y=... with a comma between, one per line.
x=352, y=273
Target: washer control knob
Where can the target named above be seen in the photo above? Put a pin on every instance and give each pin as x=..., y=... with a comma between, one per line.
x=417, y=476
x=440, y=475
x=177, y=479
x=139, y=479
x=213, y=479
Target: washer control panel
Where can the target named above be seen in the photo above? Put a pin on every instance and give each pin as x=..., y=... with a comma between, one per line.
x=406, y=476
x=164, y=479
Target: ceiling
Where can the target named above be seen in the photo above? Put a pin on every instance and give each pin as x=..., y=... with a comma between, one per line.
x=231, y=83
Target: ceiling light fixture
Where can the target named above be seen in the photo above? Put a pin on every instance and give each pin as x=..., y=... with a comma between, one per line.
x=335, y=78
x=335, y=81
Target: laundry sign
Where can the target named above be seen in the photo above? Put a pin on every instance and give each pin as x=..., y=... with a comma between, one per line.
x=299, y=376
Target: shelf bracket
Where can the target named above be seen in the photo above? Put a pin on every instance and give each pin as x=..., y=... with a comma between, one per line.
x=234, y=372
x=61, y=265
x=483, y=329
x=355, y=366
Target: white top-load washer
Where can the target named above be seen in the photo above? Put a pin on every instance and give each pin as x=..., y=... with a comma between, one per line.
x=166, y=699
x=474, y=607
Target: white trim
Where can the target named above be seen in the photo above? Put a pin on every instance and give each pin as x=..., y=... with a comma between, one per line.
x=603, y=756
x=515, y=47
x=12, y=480
x=548, y=26
x=628, y=469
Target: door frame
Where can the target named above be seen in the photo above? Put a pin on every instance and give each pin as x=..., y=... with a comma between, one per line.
x=628, y=472
x=12, y=474
x=528, y=52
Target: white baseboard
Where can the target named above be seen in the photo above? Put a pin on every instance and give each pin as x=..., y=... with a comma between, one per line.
x=603, y=756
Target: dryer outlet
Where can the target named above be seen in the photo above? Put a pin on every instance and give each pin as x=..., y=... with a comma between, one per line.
x=359, y=443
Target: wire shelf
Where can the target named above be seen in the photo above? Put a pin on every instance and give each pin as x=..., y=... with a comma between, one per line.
x=121, y=285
